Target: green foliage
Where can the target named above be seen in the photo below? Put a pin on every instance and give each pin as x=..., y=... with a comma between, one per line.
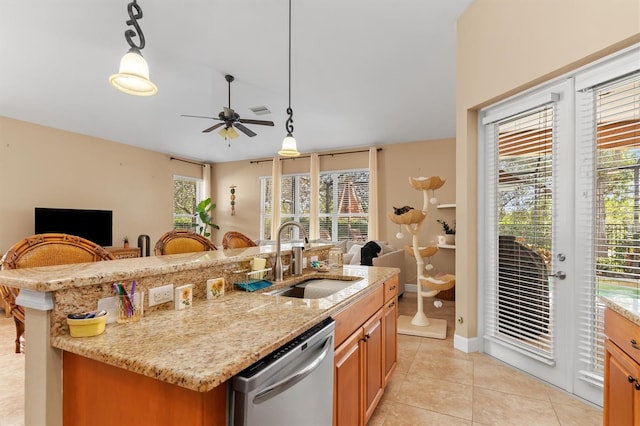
x=203, y=211
x=184, y=196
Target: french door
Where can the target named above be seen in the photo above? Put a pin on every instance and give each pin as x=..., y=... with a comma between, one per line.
x=559, y=221
x=527, y=233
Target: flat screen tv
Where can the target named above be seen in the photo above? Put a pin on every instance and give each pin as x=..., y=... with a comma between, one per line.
x=94, y=225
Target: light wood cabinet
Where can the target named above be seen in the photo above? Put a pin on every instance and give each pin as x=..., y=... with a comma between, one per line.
x=367, y=356
x=348, y=382
x=390, y=338
x=373, y=354
x=99, y=391
x=622, y=371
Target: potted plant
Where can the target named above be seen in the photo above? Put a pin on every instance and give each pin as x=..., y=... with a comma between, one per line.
x=125, y=242
x=203, y=211
x=449, y=232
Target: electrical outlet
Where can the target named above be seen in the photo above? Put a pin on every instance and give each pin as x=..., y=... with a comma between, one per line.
x=161, y=294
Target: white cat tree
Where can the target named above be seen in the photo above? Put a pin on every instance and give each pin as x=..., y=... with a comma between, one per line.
x=427, y=286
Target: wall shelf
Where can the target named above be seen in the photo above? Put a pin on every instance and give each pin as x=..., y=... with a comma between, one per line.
x=447, y=246
x=446, y=206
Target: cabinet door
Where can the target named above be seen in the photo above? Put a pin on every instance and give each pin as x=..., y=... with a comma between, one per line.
x=390, y=338
x=348, y=382
x=621, y=398
x=374, y=362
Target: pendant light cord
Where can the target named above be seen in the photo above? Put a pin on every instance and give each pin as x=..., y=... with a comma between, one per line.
x=289, y=54
x=289, y=123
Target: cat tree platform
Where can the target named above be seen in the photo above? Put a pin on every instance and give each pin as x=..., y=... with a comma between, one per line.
x=436, y=328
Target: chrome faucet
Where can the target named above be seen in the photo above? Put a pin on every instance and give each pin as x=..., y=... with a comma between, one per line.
x=277, y=270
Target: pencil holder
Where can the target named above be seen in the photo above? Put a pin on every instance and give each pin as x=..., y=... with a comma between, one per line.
x=129, y=309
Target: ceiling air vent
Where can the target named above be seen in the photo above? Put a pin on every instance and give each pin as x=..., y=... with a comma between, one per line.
x=260, y=110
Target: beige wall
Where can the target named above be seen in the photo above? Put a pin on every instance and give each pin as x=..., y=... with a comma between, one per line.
x=45, y=167
x=395, y=163
x=504, y=47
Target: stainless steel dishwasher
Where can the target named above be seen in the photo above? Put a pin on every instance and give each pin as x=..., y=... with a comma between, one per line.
x=291, y=386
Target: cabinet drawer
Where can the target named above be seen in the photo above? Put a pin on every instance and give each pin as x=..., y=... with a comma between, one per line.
x=391, y=288
x=622, y=332
x=350, y=319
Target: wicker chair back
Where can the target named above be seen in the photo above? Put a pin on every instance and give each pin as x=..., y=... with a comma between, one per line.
x=176, y=242
x=233, y=239
x=45, y=250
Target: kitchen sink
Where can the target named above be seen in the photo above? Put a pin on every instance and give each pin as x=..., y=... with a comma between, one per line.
x=315, y=288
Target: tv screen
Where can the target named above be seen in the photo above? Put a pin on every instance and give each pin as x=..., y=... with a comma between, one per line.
x=94, y=225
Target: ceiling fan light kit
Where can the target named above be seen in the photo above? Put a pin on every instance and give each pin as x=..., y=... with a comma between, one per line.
x=133, y=75
x=229, y=133
x=289, y=148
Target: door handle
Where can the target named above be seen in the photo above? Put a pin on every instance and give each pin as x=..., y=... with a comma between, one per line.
x=561, y=275
x=286, y=383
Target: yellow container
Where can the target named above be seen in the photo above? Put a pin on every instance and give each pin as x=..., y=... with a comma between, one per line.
x=87, y=327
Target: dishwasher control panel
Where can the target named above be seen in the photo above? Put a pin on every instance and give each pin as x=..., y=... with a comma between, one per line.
x=298, y=342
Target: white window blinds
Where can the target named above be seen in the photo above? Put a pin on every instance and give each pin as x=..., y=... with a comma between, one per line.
x=520, y=149
x=609, y=177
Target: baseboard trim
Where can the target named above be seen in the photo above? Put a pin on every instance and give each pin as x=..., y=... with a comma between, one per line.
x=411, y=288
x=465, y=344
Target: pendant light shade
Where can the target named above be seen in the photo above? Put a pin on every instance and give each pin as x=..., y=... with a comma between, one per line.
x=289, y=148
x=133, y=74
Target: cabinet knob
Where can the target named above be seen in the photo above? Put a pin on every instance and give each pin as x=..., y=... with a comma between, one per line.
x=634, y=344
x=637, y=386
x=631, y=379
x=393, y=288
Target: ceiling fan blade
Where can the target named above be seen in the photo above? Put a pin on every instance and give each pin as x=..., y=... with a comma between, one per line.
x=260, y=122
x=199, y=116
x=212, y=128
x=245, y=130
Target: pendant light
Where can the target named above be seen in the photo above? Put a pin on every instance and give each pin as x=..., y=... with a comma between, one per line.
x=289, y=148
x=133, y=75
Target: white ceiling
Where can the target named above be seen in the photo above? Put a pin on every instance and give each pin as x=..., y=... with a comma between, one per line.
x=364, y=72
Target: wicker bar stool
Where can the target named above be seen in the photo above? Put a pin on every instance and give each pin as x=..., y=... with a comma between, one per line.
x=45, y=250
x=233, y=239
x=175, y=242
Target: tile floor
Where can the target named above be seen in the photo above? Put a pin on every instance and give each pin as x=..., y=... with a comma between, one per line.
x=437, y=385
x=432, y=385
x=11, y=376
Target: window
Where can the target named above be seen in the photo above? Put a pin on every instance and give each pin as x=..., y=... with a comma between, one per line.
x=609, y=129
x=186, y=196
x=343, y=201
x=344, y=205
x=524, y=225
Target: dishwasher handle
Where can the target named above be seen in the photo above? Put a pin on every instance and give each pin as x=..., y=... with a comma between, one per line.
x=294, y=378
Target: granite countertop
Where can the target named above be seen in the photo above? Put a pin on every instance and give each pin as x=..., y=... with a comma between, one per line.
x=627, y=306
x=54, y=278
x=203, y=346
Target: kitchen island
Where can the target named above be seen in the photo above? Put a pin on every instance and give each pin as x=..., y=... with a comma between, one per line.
x=193, y=350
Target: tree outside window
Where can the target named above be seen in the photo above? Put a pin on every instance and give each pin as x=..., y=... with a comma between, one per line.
x=186, y=196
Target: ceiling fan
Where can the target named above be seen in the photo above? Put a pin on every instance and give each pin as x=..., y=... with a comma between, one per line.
x=230, y=119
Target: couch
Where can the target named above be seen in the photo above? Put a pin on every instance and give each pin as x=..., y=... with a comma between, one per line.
x=388, y=257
